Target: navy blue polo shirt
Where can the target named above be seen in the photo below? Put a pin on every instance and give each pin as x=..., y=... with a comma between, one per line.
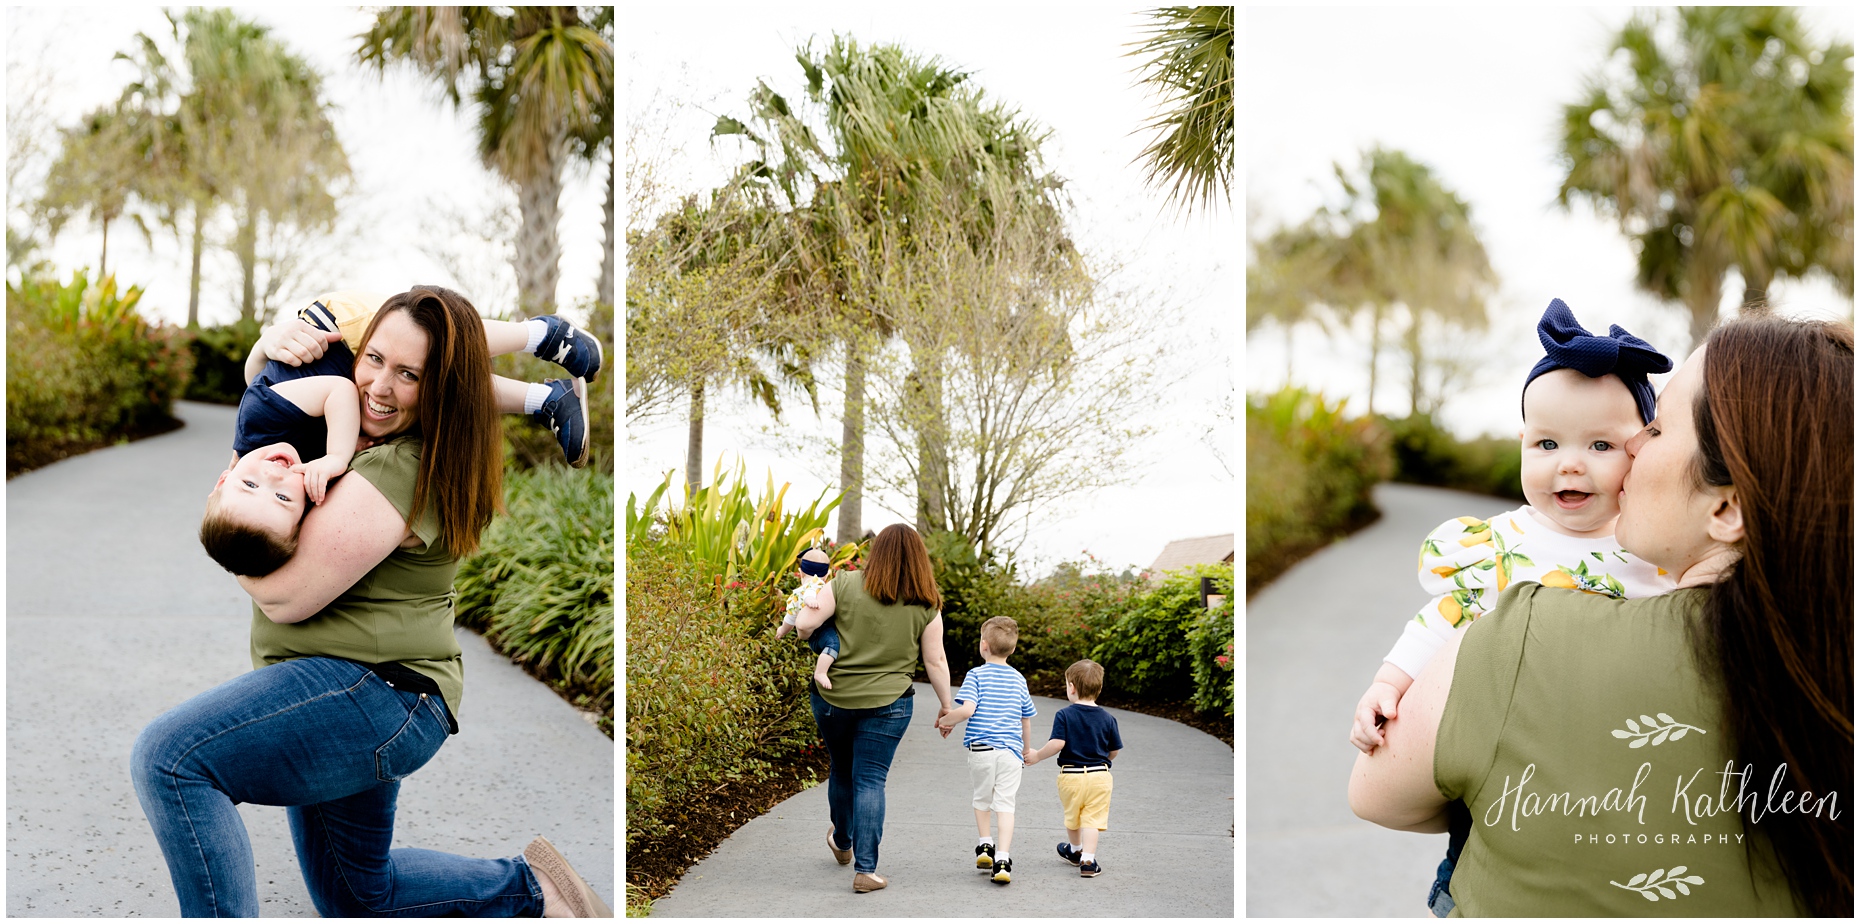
x=266, y=417
x=1090, y=734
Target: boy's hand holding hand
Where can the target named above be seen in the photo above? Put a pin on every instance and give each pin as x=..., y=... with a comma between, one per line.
x=319, y=473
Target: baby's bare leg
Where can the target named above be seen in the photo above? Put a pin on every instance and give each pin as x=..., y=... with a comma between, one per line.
x=820, y=670
x=981, y=822
x=509, y=392
x=506, y=336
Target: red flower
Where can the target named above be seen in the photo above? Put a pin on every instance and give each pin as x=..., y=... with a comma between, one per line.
x=1221, y=660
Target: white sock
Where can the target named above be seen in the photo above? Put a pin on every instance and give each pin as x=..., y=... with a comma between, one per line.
x=1086, y=857
x=534, y=397
x=984, y=842
x=1001, y=855
x=539, y=329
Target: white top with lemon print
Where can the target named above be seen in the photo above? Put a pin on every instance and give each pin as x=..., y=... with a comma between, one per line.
x=1466, y=562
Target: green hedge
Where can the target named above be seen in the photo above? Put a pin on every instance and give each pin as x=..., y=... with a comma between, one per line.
x=1426, y=454
x=84, y=369
x=219, y=361
x=712, y=695
x=541, y=587
x=1309, y=471
x=1148, y=651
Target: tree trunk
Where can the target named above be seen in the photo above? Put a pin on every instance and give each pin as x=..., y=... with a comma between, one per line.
x=852, y=450
x=193, y=279
x=604, y=288
x=539, y=249
x=694, y=442
x=1756, y=291
x=926, y=387
x=1416, y=362
x=1288, y=356
x=246, y=246
x=103, y=261
x=1375, y=347
x=1704, y=294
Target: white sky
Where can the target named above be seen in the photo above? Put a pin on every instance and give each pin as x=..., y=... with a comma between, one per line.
x=1475, y=93
x=1062, y=66
x=408, y=149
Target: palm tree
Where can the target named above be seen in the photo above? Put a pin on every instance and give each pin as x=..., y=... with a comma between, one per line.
x=94, y=175
x=539, y=79
x=1728, y=145
x=1191, y=52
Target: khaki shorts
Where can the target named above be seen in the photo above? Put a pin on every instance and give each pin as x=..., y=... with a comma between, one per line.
x=351, y=312
x=1086, y=798
x=996, y=777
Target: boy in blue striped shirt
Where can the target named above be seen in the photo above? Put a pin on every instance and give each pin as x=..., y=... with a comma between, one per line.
x=999, y=712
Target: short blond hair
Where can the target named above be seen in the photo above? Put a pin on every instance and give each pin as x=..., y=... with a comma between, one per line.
x=1002, y=634
x=1087, y=678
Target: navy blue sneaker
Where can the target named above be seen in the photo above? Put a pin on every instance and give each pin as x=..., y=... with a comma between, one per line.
x=1089, y=869
x=1068, y=853
x=565, y=413
x=570, y=347
x=985, y=857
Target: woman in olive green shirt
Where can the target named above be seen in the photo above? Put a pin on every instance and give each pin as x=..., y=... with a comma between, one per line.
x=357, y=680
x=887, y=615
x=1688, y=754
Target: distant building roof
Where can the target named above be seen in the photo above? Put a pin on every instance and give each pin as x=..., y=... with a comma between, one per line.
x=1201, y=550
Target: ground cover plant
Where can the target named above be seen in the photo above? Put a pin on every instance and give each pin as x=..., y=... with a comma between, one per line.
x=1309, y=471
x=85, y=369
x=540, y=588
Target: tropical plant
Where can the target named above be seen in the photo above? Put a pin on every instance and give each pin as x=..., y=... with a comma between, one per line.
x=95, y=174
x=736, y=538
x=1309, y=471
x=539, y=79
x=1191, y=52
x=1718, y=137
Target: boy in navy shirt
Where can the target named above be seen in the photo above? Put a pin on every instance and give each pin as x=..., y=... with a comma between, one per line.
x=1086, y=740
x=299, y=424
x=1000, y=713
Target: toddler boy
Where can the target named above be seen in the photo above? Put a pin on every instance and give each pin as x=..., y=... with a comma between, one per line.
x=992, y=698
x=825, y=641
x=1086, y=740
x=298, y=425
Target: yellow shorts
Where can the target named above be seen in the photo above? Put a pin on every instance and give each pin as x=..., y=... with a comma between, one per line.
x=1086, y=799
x=351, y=312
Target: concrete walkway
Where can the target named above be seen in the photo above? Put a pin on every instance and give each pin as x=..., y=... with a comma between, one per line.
x=1314, y=639
x=114, y=615
x=1169, y=851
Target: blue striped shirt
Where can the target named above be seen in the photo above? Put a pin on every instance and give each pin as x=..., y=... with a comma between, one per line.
x=1001, y=700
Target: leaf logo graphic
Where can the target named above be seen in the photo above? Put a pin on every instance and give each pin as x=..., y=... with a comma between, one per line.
x=1657, y=732
x=1647, y=884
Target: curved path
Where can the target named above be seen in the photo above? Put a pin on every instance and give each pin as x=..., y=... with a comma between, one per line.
x=1169, y=851
x=114, y=614
x=1314, y=639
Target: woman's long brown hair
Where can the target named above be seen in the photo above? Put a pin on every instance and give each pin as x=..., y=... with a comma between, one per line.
x=1775, y=421
x=897, y=569
x=461, y=456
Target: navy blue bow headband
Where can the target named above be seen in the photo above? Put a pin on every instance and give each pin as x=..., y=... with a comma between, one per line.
x=1568, y=346
x=815, y=568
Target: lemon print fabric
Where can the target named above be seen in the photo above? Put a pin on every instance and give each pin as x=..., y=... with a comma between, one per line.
x=1466, y=562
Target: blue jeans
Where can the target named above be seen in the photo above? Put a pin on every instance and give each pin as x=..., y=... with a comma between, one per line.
x=1459, y=828
x=860, y=744
x=331, y=741
x=826, y=638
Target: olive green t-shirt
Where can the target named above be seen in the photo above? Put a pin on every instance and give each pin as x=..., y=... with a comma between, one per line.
x=400, y=611
x=1591, y=749
x=878, y=646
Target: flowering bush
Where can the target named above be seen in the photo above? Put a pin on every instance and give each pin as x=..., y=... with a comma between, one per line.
x=1211, y=652
x=1149, y=651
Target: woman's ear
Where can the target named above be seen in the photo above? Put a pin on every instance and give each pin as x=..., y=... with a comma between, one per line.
x=1726, y=524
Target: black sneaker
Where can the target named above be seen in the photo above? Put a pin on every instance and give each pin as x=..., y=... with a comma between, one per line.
x=1068, y=853
x=984, y=856
x=565, y=413
x=1004, y=872
x=570, y=347
x=1089, y=869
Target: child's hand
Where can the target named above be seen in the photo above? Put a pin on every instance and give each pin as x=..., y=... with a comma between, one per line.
x=318, y=475
x=1377, y=701
x=1027, y=758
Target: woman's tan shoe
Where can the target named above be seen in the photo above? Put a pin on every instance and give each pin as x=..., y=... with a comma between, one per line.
x=868, y=882
x=844, y=856
x=581, y=900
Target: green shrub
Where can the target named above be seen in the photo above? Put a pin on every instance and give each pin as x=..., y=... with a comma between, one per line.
x=219, y=361
x=1426, y=454
x=712, y=695
x=1309, y=471
x=1211, y=656
x=84, y=369
x=976, y=587
x=1146, y=652
x=541, y=587
x=1070, y=608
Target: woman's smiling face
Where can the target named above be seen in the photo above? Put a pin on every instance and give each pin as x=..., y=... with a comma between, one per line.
x=388, y=375
x=1665, y=516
